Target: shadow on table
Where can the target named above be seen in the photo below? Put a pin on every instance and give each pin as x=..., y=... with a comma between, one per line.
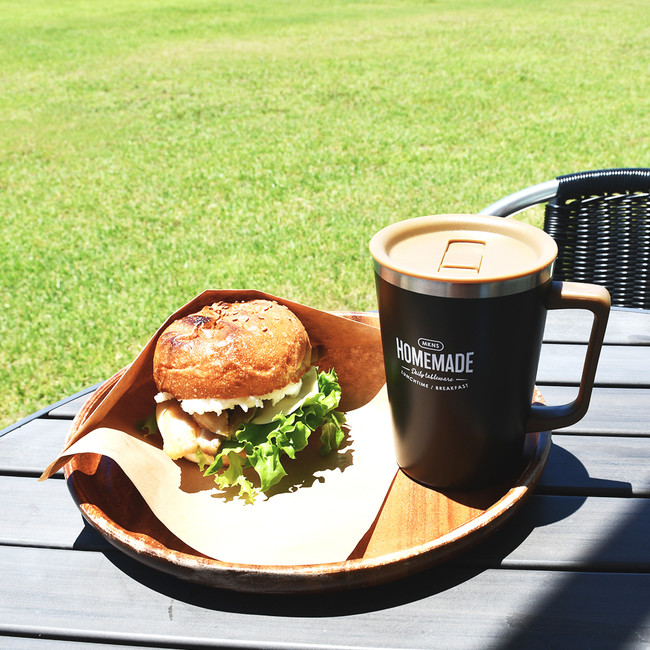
x=543, y=512
x=595, y=609
x=602, y=600
x=613, y=598
x=565, y=474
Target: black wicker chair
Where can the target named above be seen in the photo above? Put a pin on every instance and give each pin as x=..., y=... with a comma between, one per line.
x=601, y=223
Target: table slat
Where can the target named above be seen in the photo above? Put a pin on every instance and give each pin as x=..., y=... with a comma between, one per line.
x=69, y=409
x=617, y=366
x=32, y=447
x=44, y=514
x=491, y=606
x=624, y=326
x=39, y=643
x=612, y=411
x=597, y=465
x=598, y=534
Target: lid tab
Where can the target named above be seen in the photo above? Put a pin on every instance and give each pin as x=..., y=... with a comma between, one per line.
x=463, y=256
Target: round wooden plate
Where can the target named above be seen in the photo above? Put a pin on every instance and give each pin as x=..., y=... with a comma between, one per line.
x=417, y=527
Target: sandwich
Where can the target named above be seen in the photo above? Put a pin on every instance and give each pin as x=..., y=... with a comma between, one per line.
x=238, y=389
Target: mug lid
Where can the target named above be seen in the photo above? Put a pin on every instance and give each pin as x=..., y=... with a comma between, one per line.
x=464, y=250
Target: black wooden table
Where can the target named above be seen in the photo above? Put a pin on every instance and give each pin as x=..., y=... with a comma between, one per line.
x=570, y=570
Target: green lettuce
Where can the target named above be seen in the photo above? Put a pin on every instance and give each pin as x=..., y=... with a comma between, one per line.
x=148, y=426
x=261, y=446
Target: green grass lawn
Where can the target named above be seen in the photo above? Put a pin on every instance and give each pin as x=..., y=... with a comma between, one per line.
x=151, y=150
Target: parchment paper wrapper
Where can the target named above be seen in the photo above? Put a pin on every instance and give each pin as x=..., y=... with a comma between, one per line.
x=320, y=510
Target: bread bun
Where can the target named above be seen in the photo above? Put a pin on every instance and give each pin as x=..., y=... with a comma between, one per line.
x=231, y=351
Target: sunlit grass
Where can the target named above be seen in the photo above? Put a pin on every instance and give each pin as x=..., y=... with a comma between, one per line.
x=150, y=150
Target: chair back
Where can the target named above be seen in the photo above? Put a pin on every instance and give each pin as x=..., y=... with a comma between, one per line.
x=601, y=223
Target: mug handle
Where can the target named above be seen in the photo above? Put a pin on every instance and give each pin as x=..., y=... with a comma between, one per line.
x=575, y=295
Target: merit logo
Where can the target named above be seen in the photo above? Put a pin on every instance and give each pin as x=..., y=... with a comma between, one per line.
x=430, y=344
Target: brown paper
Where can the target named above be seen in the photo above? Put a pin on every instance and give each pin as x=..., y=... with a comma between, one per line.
x=317, y=514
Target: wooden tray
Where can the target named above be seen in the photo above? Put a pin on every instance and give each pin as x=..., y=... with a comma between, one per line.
x=417, y=527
